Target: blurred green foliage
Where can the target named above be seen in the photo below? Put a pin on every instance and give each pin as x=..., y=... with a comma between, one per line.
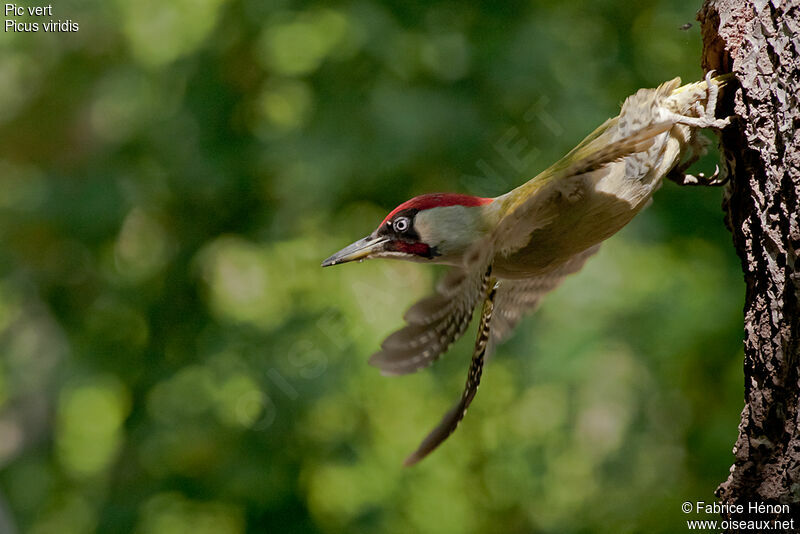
x=172, y=358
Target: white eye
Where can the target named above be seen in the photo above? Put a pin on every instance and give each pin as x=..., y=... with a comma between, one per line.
x=401, y=224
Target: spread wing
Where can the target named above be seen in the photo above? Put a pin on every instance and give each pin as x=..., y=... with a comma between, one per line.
x=515, y=298
x=544, y=199
x=636, y=130
x=506, y=302
x=436, y=322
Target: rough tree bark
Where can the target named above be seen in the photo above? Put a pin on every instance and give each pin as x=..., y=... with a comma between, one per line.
x=759, y=41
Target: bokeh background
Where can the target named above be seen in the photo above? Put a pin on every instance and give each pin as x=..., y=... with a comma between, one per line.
x=172, y=357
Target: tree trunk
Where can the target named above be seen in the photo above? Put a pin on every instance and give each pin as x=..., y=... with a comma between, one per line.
x=759, y=41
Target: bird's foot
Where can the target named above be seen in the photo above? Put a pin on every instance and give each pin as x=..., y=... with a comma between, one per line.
x=706, y=115
x=681, y=178
x=697, y=145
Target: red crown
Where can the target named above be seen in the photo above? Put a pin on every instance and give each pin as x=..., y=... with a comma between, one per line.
x=438, y=200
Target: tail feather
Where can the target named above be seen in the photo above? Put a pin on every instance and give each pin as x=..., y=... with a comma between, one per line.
x=453, y=417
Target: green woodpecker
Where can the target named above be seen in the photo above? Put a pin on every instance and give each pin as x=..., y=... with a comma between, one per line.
x=509, y=251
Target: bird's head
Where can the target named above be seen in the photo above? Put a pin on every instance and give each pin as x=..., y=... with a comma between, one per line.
x=437, y=227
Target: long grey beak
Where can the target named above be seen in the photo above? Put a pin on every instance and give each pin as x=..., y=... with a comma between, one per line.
x=359, y=250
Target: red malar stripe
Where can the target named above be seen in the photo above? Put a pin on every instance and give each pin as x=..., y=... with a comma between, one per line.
x=418, y=249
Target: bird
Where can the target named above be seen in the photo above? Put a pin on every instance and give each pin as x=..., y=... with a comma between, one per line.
x=505, y=253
